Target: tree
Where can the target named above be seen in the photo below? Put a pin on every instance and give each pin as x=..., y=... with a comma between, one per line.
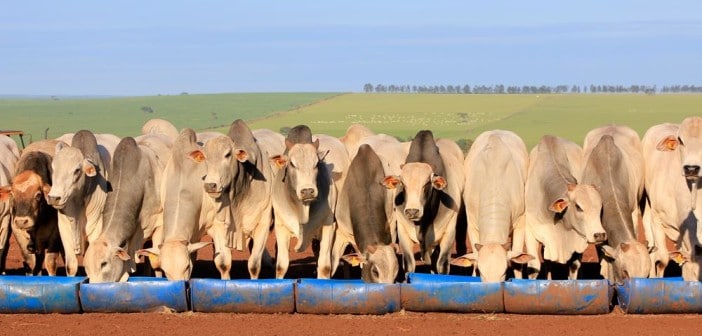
x=368, y=88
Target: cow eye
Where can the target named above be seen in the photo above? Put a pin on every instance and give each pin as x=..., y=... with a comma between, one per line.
x=680, y=142
x=228, y=155
x=292, y=164
x=37, y=196
x=77, y=171
x=103, y=264
x=577, y=207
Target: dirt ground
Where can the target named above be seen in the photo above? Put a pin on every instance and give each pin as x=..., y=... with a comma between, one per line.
x=401, y=323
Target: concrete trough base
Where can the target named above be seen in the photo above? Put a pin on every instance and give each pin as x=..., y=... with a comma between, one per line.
x=138, y=294
x=660, y=296
x=451, y=293
x=314, y=296
x=558, y=297
x=40, y=294
x=242, y=296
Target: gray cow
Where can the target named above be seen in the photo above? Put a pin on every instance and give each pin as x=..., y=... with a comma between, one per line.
x=614, y=164
x=133, y=210
x=362, y=205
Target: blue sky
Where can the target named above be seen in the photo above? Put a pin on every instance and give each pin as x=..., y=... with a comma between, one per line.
x=167, y=47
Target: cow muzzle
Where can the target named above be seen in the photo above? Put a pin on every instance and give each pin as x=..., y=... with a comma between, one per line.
x=600, y=237
x=56, y=201
x=308, y=195
x=213, y=189
x=691, y=171
x=23, y=222
x=413, y=214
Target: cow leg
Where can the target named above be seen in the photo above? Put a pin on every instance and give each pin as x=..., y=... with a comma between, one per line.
x=340, y=243
x=532, y=248
x=65, y=225
x=518, y=242
x=40, y=257
x=50, y=262
x=282, y=260
x=443, y=265
x=659, y=257
x=574, y=266
x=155, y=260
x=324, y=261
x=223, y=255
x=29, y=259
x=259, y=245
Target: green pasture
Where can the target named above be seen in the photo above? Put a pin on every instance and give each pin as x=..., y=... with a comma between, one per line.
x=465, y=116
x=402, y=115
x=125, y=116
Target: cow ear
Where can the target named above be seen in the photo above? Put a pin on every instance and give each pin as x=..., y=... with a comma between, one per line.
x=391, y=182
x=669, y=143
x=322, y=155
x=288, y=144
x=197, y=156
x=609, y=252
x=241, y=155
x=5, y=193
x=196, y=246
x=89, y=168
x=519, y=257
x=354, y=259
x=466, y=260
x=316, y=143
x=438, y=182
x=122, y=254
x=678, y=257
x=59, y=146
x=559, y=205
x=149, y=252
x=279, y=161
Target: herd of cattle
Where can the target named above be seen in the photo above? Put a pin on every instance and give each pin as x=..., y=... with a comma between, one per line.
x=103, y=197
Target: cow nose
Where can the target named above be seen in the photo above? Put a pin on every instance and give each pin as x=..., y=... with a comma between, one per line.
x=307, y=193
x=210, y=187
x=21, y=222
x=53, y=199
x=412, y=213
x=600, y=237
x=691, y=170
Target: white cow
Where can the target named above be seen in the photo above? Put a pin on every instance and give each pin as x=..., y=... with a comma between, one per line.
x=305, y=195
x=561, y=214
x=9, y=155
x=669, y=210
x=496, y=170
x=79, y=191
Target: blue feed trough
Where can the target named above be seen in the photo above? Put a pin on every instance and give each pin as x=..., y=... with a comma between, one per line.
x=138, y=294
x=40, y=294
x=451, y=293
x=660, y=296
x=242, y=296
x=315, y=296
x=569, y=297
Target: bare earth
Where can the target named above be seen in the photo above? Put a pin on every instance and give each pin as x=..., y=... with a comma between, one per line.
x=401, y=323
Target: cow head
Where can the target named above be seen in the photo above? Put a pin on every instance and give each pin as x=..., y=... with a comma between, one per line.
x=222, y=159
x=28, y=194
x=492, y=260
x=378, y=264
x=106, y=263
x=176, y=257
x=70, y=171
x=299, y=168
x=581, y=208
x=629, y=260
x=418, y=181
x=689, y=144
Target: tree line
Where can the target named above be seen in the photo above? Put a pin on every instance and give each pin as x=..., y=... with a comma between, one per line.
x=528, y=89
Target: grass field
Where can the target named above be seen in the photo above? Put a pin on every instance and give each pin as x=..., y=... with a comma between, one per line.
x=125, y=116
x=401, y=115
x=466, y=116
